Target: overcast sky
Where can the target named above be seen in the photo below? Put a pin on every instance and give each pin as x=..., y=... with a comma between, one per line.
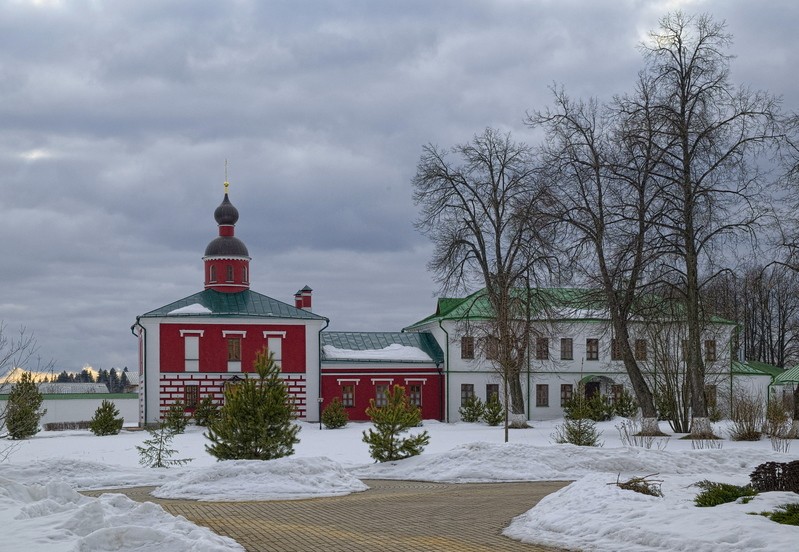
x=116, y=119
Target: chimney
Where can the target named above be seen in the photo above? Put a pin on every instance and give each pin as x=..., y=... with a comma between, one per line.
x=298, y=299
x=304, y=298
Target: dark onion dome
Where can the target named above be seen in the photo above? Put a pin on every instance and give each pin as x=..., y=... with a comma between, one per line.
x=226, y=246
x=226, y=213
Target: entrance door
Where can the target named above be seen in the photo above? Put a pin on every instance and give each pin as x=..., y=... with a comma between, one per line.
x=591, y=389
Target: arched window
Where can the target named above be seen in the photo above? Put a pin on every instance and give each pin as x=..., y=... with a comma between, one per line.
x=229, y=273
x=212, y=274
x=245, y=274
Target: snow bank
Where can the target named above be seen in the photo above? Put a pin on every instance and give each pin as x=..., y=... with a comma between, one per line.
x=55, y=518
x=280, y=479
x=487, y=462
x=83, y=474
x=591, y=515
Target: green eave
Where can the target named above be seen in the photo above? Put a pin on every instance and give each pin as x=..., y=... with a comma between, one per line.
x=754, y=368
x=364, y=341
x=240, y=304
x=69, y=396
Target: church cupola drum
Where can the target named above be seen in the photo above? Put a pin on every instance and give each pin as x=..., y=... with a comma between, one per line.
x=227, y=261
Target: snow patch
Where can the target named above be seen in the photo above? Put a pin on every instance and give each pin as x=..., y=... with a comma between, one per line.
x=194, y=308
x=395, y=351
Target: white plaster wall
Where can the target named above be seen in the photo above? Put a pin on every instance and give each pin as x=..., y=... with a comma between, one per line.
x=82, y=410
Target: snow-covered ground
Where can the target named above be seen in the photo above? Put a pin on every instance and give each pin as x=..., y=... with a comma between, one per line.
x=41, y=510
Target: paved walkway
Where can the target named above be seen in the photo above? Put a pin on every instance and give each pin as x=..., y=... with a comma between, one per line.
x=390, y=516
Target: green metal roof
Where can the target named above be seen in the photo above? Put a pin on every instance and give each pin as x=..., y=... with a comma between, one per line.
x=791, y=375
x=546, y=304
x=364, y=341
x=754, y=368
x=243, y=303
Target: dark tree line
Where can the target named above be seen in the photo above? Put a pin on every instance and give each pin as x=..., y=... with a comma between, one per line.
x=116, y=381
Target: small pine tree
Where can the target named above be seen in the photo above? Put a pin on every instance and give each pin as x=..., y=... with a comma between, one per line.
x=334, y=415
x=206, y=411
x=493, y=411
x=391, y=420
x=22, y=409
x=105, y=421
x=175, y=418
x=256, y=421
x=625, y=406
x=581, y=432
x=156, y=452
x=472, y=409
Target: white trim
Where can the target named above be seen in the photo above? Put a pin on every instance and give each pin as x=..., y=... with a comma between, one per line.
x=242, y=333
x=382, y=380
x=270, y=333
x=423, y=380
x=184, y=333
x=191, y=382
x=234, y=366
x=226, y=258
x=341, y=380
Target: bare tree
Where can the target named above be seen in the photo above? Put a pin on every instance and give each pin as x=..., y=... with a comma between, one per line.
x=602, y=160
x=489, y=219
x=709, y=135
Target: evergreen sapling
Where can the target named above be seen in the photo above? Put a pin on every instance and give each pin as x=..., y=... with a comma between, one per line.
x=106, y=420
x=390, y=421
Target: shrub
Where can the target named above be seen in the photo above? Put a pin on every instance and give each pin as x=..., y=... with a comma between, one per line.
x=175, y=418
x=390, y=421
x=106, y=420
x=581, y=432
x=493, y=411
x=626, y=405
x=631, y=436
x=787, y=514
x=256, y=421
x=597, y=408
x=334, y=415
x=776, y=476
x=778, y=422
x=472, y=410
x=643, y=485
x=747, y=418
x=22, y=409
x=713, y=493
x=206, y=412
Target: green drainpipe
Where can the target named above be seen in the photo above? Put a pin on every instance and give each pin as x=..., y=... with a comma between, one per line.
x=319, y=338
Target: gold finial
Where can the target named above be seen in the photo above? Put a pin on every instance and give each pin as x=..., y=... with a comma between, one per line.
x=227, y=184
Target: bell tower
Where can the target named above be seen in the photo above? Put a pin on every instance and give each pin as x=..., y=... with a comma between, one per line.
x=227, y=261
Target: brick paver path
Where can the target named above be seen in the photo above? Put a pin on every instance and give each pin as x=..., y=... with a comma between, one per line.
x=390, y=516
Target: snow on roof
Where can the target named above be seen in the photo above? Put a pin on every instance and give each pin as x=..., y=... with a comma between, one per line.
x=394, y=351
x=194, y=308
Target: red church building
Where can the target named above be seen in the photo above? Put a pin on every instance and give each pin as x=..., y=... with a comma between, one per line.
x=193, y=347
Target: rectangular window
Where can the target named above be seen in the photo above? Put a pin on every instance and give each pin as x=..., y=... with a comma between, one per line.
x=710, y=350
x=191, y=396
x=348, y=395
x=591, y=349
x=192, y=353
x=234, y=348
x=566, y=393
x=567, y=348
x=492, y=390
x=274, y=345
x=467, y=392
x=542, y=394
x=491, y=348
x=381, y=395
x=415, y=394
x=615, y=349
x=467, y=346
x=640, y=349
x=542, y=348
x=617, y=391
